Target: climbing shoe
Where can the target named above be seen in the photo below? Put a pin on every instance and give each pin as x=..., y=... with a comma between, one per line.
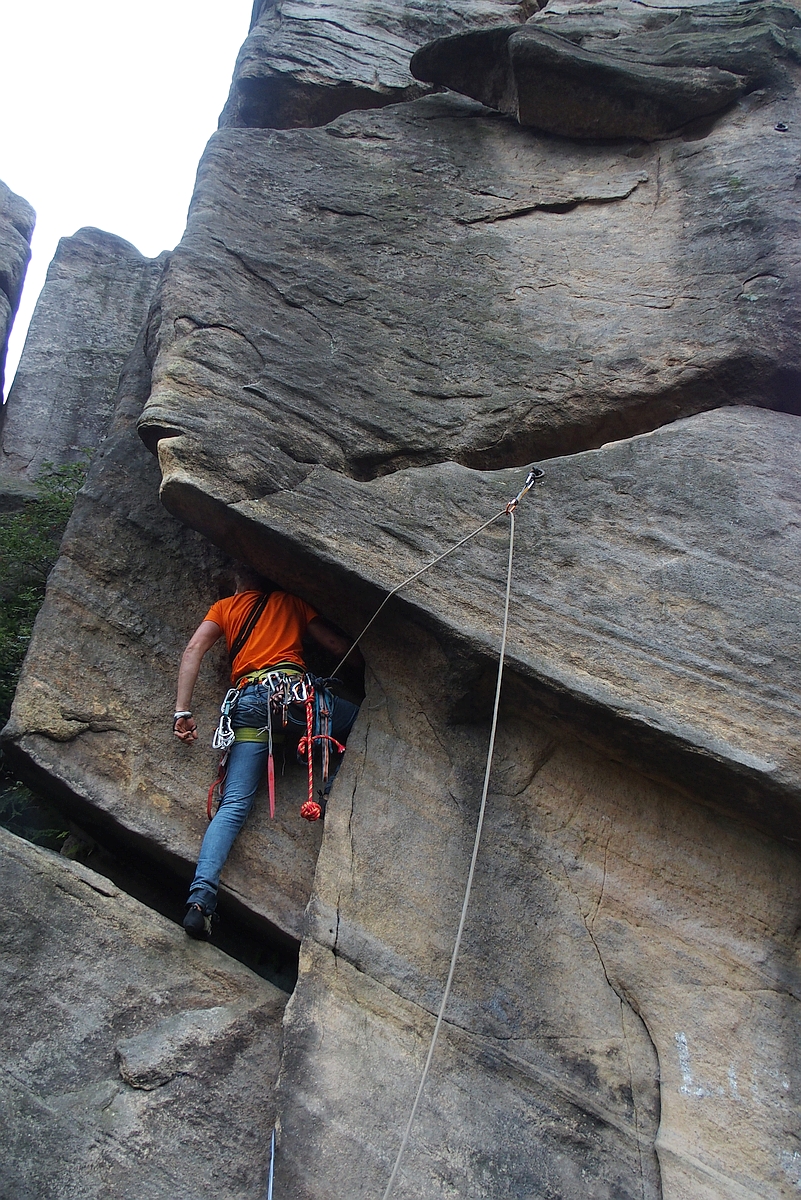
x=197, y=922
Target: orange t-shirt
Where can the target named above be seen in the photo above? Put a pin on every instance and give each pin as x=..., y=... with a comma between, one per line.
x=278, y=634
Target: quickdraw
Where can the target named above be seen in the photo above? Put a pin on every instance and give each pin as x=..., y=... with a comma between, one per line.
x=285, y=689
x=224, y=735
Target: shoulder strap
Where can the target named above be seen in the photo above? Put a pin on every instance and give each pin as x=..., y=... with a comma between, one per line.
x=251, y=621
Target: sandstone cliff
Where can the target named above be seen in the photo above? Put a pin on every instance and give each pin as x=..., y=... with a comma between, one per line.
x=94, y=302
x=367, y=332
x=17, y=220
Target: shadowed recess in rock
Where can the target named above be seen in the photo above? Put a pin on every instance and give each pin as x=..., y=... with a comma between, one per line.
x=43, y=822
x=305, y=63
x=622, y=70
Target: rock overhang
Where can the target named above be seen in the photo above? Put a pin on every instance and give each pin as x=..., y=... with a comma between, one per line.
x=381, y=317
x=618, y=70
x=653, y=603
x=304, y=64
x=356, y=346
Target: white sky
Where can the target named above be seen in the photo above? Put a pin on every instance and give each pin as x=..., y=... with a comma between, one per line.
x=106, y=107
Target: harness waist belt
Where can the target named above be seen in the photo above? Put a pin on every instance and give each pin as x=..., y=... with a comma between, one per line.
x=285, y=668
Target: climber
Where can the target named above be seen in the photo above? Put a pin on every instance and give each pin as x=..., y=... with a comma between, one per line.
x=263, y=629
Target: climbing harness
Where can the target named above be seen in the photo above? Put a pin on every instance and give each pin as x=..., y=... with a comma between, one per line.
x=509, y=511
x=287, y=687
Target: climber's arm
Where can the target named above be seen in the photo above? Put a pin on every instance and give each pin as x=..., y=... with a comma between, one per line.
x=201, y=641
x=331, y=639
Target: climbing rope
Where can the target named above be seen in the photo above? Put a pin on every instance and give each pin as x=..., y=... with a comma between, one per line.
x=510, y=510
x=271, y=1175
x=533, y=476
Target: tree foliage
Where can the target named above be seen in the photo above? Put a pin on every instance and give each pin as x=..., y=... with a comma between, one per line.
x=29, y=542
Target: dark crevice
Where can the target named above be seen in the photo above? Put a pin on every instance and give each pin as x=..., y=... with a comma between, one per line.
x=735, y=383
x=650, y=1167
x=151, y=435
x=47, y=818
x=546, y=206
x=274, y=102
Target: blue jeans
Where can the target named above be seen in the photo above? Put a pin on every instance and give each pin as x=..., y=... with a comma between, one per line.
x=247, y=763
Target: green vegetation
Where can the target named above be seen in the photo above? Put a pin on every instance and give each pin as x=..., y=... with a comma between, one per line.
x=29, y=542
x=29, y=816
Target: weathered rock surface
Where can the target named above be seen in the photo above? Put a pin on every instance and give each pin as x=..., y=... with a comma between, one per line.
x=617, y=70
x=625, y=1014
x=15, y=492
x=655, y=596
x=367, y=330
x=94, y=302
x=305, y=63
x=430, y=282
x=92, y=715
x=381, y=318
x=135, y=1063
x=17, y=220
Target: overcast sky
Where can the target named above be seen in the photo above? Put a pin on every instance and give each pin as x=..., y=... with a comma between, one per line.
x=106, y=107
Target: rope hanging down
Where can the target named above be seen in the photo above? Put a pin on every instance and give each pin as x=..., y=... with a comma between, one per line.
x=271, y=1175
x=510, y=511
x=533, y=476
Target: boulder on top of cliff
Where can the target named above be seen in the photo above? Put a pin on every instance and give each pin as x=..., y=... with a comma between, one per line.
x=304, y=63
x=617, y=70
x=134, y=1062
x=17, y=220
x=91, y=720
x=95, y=299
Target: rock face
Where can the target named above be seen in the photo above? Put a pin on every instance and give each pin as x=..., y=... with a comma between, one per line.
x=92, y=714
x=367, y=333
x=17, y=220
x=654, y=599
x=94, y=302
x=617, y=70
x=305, y=63
x=625, y=1008
x=135, y=1063
x=430, y=282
